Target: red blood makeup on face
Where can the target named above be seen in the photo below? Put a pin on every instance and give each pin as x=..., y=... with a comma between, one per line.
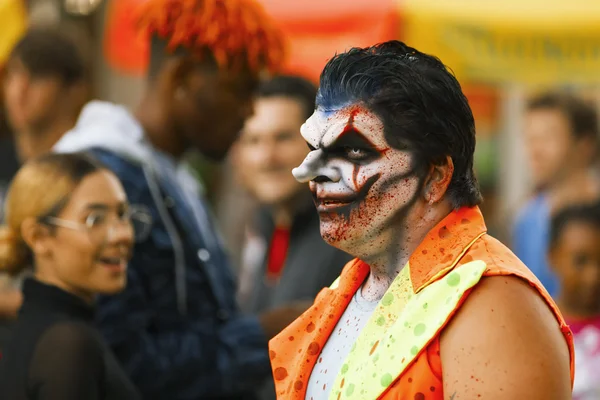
x=359, y=182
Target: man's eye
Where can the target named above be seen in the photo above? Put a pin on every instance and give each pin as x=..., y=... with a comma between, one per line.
x=580, y=260
x=355, y=153
x=249, y=140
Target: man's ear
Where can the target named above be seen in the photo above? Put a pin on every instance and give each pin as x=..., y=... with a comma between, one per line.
x=234, y=155
x=174, y=76
x=234, y=158
x=438, y=180
x=552, y=257
x=36, y=236
x=80, y=94
x=586, y=149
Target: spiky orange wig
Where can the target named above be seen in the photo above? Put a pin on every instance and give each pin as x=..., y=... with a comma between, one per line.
x=234, y=31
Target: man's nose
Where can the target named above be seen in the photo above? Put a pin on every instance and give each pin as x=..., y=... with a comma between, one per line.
x=267, y=155
x=313, y=168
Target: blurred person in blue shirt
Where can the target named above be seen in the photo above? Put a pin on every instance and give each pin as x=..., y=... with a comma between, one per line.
x=561, y=142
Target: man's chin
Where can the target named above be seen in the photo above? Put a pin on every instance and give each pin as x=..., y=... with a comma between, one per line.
x=215, y=152
x=339, y=235
x=215, y=156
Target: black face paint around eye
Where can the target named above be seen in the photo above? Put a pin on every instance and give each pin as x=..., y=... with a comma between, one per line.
x=352, y=139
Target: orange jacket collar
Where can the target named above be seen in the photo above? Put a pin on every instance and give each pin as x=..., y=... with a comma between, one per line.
x=443, y=246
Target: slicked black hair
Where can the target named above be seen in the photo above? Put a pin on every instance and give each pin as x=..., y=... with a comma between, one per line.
x=588, y=213
x=49, y=52
x=419, y=101
x=294, y=87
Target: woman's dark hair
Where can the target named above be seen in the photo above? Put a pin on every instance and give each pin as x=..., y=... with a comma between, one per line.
x=419, y=101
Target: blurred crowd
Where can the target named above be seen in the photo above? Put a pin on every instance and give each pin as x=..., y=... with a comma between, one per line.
x=198, y=307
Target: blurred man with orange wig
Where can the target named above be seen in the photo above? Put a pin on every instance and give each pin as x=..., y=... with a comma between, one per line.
x=176, y=328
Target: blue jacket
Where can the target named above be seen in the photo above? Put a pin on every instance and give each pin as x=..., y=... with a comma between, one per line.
x=176, y=327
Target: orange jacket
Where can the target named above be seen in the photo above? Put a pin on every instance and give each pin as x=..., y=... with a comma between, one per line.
x=442, y=271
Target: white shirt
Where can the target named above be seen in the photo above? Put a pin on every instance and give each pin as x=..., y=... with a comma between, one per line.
x=338, y=346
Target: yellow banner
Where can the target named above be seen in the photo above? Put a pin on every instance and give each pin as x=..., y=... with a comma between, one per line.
x=13, y=23
x=509, y=41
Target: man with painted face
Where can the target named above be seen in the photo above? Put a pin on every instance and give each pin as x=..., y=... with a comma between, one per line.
x=432, y=307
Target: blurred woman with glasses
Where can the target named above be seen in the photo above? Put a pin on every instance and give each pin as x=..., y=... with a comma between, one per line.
x=68, y=217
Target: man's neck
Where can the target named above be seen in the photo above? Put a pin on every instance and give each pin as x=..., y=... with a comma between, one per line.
x=574, y=177
x=386, y=265
x=283, y=214
x=156, y=129
x=575, y=313
x=578, y=187
x=283, y=217
x=38, y=142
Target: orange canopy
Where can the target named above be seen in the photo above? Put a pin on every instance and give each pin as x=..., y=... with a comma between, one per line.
x=315, y=30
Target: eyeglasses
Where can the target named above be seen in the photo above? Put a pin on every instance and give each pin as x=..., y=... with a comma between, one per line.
x=101, y=224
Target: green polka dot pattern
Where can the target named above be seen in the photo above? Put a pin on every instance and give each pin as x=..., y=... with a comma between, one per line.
x=399, y=329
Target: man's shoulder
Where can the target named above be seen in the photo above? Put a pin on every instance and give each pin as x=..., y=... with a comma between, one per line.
x=534, y=208
x=131, y=174
x=513, y=294
x=510, y=304
x=502, y=262
x=507, y=321
x=115, y=162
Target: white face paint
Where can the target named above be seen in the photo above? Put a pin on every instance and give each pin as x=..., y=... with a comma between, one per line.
x=361, y=184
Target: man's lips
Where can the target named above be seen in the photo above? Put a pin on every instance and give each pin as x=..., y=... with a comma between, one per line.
x=331, y=203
